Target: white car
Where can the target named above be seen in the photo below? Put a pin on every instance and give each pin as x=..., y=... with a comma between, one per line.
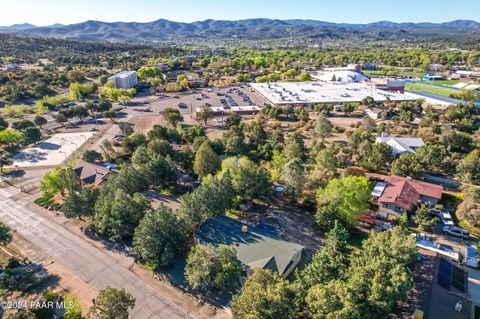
x=446, y=219
x=456, y=231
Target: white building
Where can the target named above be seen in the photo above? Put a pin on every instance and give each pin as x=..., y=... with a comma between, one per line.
x=401, y=145
x=304, y=93
x=374, y=113
x=12, y=67
x=351, y=67
x=343, y=76
x=124, y=79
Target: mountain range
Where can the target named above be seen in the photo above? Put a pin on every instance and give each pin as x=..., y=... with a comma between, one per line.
x=161, y=30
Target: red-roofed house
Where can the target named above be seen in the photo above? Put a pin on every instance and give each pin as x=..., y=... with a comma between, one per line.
x=401, y=195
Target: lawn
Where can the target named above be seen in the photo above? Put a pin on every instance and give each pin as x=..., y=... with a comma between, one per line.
x=424, y=87
x=446, y=82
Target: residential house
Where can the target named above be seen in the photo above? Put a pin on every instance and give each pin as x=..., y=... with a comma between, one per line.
x=12, y=67
x=258, y=246
x=92, y=174
x=400, y=145
x=400, y=195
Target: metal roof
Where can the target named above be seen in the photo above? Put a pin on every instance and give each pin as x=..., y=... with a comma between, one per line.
x=258, y=246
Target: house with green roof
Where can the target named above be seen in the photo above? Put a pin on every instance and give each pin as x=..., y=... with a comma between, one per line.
x=260, y=246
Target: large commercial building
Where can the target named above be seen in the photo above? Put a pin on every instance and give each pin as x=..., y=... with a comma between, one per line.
x=124, y=79
x=304, y=93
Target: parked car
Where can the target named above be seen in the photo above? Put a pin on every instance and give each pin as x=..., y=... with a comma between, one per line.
x=93, y=129
x=182, y=105
x=456, y=231
x=446, y=218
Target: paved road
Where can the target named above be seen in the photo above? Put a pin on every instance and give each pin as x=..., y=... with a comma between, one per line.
x=89, y=263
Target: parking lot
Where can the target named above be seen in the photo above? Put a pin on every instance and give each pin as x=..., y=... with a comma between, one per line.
x=187, y=103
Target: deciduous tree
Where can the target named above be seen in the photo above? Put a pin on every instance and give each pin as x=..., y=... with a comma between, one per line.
x=352, y=195
x=248, y=179
x=172, y=116
x=407, y=166
x=469, y=168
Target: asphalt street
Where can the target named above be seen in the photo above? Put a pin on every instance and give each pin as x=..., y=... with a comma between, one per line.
x=88, y=262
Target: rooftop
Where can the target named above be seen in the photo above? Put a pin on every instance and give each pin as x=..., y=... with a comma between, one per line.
x=434, y=98
x=401, y=144
x=343, y=76
x=324, y=92
x=405, y=192
x=91, y=173
x=258, y=246
x=124, y=74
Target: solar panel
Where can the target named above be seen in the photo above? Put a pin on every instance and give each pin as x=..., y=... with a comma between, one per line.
x=445, y=267
x=444, y=281
x=451, y=275
x=458, y=279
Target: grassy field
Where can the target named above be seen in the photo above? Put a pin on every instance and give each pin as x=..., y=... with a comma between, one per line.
x=393, y=72
x=446, y=82
x=423, y=87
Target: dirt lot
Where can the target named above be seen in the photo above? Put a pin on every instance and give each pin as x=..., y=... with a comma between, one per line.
x=344, y=121
x=144, y=123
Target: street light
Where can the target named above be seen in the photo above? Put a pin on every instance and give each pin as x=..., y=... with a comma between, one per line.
x=76, y=146
x=60, y=151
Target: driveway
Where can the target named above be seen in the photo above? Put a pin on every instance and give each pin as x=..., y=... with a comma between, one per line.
x=89, y=263
x=474, y=286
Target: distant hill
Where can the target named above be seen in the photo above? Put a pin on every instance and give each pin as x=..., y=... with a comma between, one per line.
x=161, y=30
x=22, y=26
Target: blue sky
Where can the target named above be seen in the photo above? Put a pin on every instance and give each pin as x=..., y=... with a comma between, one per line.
x=44, y=12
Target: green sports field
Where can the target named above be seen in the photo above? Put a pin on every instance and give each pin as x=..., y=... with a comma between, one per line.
x=423, y=87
